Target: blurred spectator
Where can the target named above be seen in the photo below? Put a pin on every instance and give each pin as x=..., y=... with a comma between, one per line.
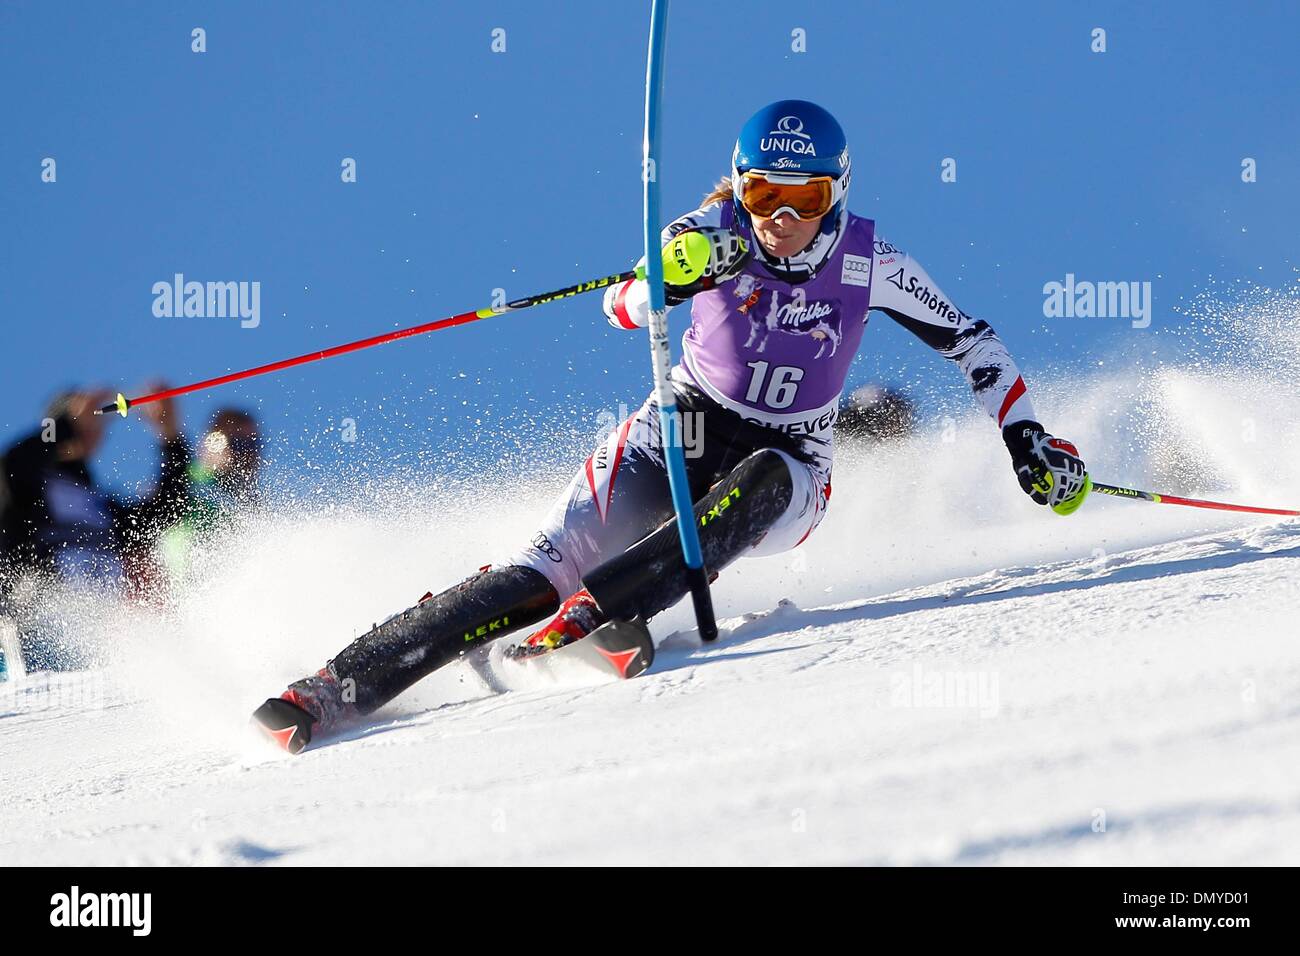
x=229, y=459
x=57, y=524
x=874, y=413
x=223, y=484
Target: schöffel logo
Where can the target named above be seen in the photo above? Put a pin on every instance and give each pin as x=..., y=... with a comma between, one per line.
x=788, y=137
x=133, y=910
x=926, y=296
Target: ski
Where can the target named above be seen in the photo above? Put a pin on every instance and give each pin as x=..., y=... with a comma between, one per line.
x=284, y=723
x=622, y=648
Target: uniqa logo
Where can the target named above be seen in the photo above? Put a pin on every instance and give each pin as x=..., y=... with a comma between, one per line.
x=788, y=137
x=778, y=144
x=790, y=126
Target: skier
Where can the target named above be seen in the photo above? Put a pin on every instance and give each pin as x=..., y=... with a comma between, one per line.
x=781, y=277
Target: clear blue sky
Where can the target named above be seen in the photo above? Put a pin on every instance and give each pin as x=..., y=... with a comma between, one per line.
x=520, y=170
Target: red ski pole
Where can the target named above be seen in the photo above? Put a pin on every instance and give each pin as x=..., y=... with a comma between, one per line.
x=1189, y=502
x=123, y=403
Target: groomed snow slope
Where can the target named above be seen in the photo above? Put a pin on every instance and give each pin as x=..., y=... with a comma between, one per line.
x=944, y=673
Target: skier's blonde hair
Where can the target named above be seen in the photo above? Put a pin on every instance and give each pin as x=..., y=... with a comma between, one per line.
x=721, y=192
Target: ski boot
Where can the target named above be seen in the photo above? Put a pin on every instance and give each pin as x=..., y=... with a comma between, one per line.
x=310, y=706
x=577, y=617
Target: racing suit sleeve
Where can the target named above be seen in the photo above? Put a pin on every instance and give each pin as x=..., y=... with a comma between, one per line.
x=905, y=292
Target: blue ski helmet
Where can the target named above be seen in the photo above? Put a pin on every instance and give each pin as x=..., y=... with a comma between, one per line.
x=794, y=139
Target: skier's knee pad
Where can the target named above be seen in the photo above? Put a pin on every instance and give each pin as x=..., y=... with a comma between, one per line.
x=809, y=499
x=733, y=517
x=766, y=479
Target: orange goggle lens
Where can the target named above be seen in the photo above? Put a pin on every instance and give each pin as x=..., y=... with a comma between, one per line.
x=810, y=200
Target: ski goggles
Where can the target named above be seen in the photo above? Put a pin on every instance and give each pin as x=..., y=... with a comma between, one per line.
x=765, y=193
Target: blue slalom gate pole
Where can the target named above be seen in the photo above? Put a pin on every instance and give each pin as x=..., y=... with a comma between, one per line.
x=660, y=350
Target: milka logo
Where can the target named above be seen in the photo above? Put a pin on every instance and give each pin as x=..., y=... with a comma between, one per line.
x=788, y=137
x=103, y=909
x=209, y=300
x=795, y=313
x=1102, y=300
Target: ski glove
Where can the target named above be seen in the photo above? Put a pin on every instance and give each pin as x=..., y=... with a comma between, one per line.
x=696, y=260
x=1049, y=469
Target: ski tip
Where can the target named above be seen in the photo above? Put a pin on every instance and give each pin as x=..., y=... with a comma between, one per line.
x=623, y=648
x=625, y=645
x=285, y=724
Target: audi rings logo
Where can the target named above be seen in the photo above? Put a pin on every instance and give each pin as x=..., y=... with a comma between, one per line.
x=790, y=126
x=543, y=544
